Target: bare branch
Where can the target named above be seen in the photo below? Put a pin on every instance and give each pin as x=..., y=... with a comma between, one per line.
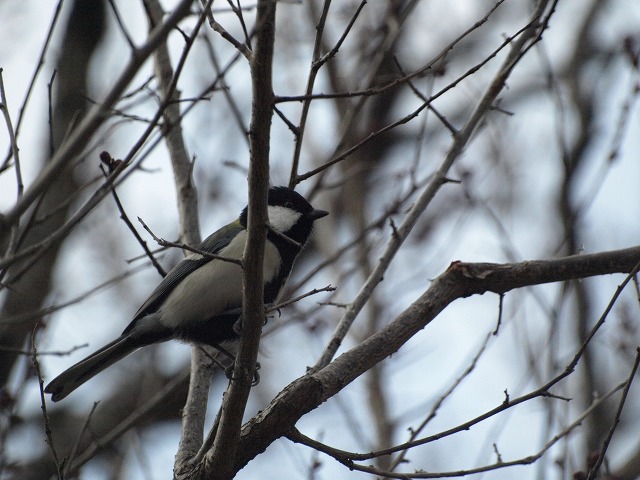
x=244, y=49
x=128, y=423
x=55, y=353
x=315, y=291
x=459, y=281
x=531, y=33
x=317, y=62
x=345, y=457
x=85, y=130
x=40, y=64
x=43, y=406
x=593, y=472
x=165, y=243
x=221, y=457
x=15, y=153
x=76, y=445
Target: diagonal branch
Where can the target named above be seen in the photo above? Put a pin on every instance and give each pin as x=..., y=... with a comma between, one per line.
x=461, y=280
x=344, y=457
x=85, y=130
x=593, y=471
x=530, y=35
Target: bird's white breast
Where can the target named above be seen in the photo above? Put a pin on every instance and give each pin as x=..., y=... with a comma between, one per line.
x=215, y=287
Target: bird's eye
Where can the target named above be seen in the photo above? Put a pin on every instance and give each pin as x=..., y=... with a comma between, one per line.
x=288, y=205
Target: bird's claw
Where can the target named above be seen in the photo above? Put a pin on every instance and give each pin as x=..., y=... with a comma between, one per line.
x=228, y=372
x=256, y=375
x=237, y=327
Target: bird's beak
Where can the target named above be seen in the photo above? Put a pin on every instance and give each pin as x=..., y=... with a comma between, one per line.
x=316, y=214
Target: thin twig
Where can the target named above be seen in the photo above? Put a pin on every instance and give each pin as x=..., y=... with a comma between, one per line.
x=13, y=141
x=376, y=224
x=524, y=36
x=284, y=237
x=315, y=291
x=226, y=91
x=500, y=312
x=346, y=458
x=106, y=158
x=373, y=135
x=82, y=134
x=121, y=25
x=237, y=9
x=242, y=48
x=436, y=406
x=316, y=64
x=593, y=471
x=424, y=98
x=52, y=147
x=48, y=310
x=43, y=406
x=15, y=153
x=165, y=243
x=128, y=423
x=32, y=82
x=76, y=445
x=37, y=250
x=57, y=353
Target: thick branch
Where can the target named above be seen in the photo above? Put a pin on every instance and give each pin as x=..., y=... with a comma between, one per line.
x=195, y=408
x=459, y=281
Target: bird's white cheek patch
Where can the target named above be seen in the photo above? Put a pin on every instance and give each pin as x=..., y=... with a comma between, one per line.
x=281, y=218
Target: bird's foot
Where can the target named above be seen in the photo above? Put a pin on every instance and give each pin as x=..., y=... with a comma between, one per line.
x=256, y=376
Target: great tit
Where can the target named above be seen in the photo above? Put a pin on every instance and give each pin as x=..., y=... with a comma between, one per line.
x=199, y=301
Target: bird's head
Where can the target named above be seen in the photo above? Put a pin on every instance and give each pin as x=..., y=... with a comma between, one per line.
x=289, y=213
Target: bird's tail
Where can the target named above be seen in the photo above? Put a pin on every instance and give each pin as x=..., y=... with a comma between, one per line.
x=73, y=377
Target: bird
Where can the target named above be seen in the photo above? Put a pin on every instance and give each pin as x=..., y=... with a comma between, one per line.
x=199, y=301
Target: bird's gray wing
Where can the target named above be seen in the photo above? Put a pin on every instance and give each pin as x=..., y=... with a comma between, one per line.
x=212, y=244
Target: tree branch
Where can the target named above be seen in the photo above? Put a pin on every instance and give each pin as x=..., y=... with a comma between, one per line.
x=195, y=408
x=459, y=281
x=87, y=127
x=220, y=461
x=529, y=35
